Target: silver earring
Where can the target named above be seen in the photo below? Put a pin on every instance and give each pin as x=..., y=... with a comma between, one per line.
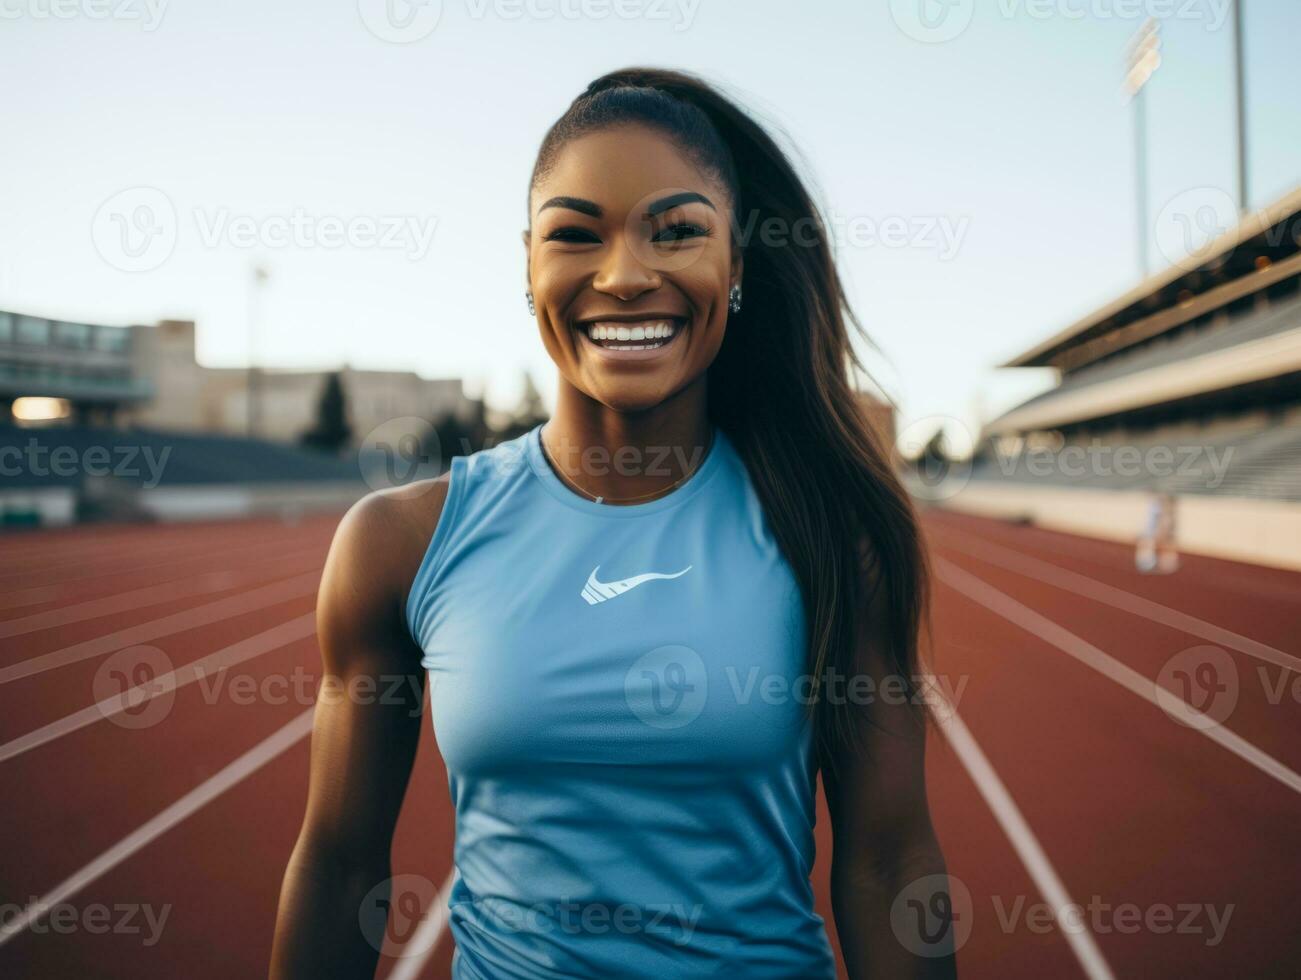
x=532, y=310
x=734, y=299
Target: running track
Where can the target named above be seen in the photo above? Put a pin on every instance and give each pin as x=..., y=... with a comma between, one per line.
x=1061, y=776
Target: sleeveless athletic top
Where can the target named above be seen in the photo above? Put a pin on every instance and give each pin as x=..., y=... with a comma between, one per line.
x=615, y=691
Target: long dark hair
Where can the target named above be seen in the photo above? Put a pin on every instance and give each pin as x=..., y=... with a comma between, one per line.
x=780, y=388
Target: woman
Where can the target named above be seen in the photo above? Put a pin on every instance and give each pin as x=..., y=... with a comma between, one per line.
x=653, y=619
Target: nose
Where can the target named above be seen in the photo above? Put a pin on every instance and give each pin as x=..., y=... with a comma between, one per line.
x=623, y=274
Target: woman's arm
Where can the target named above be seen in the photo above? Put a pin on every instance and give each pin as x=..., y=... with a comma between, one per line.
x=884, y=840
x=363, y=744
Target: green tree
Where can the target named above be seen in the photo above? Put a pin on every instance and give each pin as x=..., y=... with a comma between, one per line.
x=331, y=433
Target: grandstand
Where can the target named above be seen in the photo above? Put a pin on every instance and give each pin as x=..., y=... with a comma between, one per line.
x=65, y=474
x=1188, y=384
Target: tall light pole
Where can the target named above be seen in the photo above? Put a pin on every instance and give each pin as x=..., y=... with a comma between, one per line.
x=1240, y=86
x=254, y=385
x=1143, y=59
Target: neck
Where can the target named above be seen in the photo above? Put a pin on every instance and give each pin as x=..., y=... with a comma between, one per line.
x=631, y=456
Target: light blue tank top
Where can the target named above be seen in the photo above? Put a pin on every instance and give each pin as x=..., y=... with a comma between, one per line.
x=615, y=690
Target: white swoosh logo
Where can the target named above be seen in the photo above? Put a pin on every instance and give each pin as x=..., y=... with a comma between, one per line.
x=597, y=591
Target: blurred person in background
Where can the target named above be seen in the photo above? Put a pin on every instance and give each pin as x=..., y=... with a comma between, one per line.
x=1156, y=551
x=707, y=502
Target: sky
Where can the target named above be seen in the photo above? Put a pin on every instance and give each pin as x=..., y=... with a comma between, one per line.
x=975, y=159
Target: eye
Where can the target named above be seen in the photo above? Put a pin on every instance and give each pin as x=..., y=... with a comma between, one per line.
x=571, y=234
x=681, y=231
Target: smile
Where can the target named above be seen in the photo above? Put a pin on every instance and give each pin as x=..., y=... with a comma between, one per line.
x=629, y=336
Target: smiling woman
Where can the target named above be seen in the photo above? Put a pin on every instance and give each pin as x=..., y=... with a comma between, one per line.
x=646, y=622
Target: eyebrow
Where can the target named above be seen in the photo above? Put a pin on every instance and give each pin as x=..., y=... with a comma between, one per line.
x=584, y=206
x=673, y=200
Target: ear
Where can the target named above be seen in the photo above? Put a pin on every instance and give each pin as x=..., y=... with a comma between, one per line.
x=737, y=265
x=527, y=255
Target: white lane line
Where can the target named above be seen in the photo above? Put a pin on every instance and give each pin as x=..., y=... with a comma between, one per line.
x=1023, y=840
x=1169, y=703
x=1109, y=556
x=69, y=582
x=186, y=619
x=1091, y=588
x=246, y=649
x=150, y=595
x=247, y=764
x=427, y=936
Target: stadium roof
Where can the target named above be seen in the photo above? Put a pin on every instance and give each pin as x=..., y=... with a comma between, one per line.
x=1262, y=345
x=1138, y=303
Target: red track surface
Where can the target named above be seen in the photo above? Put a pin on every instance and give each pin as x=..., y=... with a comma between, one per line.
x=1127, y=804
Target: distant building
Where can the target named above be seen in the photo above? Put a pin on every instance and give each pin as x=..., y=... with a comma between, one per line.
x=149, y=376
x=91, y=366
x=880, y=416
x=1189, y=384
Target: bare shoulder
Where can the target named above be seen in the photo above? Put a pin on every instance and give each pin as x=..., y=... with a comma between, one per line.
x=379, y=544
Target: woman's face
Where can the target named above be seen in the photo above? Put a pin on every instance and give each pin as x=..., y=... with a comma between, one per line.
x=630, y=260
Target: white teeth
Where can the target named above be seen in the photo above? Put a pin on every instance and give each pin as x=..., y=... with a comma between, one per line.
x=645, y=330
